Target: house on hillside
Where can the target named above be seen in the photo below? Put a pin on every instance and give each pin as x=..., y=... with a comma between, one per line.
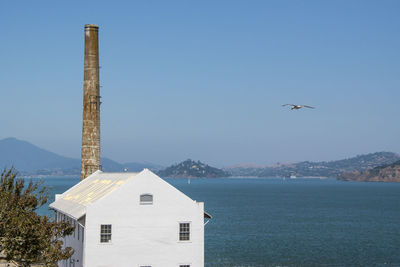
x=131, y=219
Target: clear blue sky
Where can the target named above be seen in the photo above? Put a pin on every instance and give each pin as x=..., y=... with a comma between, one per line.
x=206, y=80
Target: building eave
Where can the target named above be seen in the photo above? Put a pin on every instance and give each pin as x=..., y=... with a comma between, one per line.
x=207, y=215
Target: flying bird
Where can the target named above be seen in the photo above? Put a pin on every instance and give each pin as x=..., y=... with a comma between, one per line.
x=297, y=106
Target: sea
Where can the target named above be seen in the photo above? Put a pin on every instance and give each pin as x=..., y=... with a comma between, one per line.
x=290, y=222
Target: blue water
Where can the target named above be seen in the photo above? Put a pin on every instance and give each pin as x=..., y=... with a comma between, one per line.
x=297, y=222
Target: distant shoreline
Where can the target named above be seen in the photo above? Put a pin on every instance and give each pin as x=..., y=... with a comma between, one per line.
x=212, y=178
x=252, y=177
x=47, y=176
x=227, y=177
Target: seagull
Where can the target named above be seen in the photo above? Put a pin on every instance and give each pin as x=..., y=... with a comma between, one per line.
x=297, y=106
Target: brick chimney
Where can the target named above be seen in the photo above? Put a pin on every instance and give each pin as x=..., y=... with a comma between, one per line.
x=91, y=104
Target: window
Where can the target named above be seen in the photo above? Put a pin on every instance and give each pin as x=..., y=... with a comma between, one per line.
x=146, y=199
x=105, y=233
x=184, y=231
x=184, y=265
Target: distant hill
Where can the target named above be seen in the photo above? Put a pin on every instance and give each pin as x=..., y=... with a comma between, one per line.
x=384, y=173
x=190, y=168
x=322, y=169
x=29, y=159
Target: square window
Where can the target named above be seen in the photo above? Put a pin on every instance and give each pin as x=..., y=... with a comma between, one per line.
x=184, y=231
x=105, y=233
x=146, y=199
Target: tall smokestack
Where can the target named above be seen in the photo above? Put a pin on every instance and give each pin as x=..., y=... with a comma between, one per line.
x=91, y=104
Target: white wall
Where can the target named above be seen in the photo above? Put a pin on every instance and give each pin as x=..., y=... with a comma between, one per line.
x=72, y=241
x=144, y=234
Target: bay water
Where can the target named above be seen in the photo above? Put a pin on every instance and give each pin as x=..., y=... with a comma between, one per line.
x=292, y=222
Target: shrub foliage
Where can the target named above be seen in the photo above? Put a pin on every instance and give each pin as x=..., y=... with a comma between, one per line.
x=25, y=236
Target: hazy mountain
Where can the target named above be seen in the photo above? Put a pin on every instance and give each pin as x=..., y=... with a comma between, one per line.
x=26, y=157
x=30, y=159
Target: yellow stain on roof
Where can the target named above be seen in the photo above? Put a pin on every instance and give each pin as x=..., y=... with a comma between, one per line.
x=92, y=190
x=96, y=186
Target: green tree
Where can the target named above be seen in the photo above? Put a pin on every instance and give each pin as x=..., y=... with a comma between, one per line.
x=25, y=236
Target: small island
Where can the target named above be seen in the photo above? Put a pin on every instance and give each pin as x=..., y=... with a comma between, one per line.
x=192, y=169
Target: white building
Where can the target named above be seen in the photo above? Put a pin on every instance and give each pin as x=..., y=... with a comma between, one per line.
x=131, y=219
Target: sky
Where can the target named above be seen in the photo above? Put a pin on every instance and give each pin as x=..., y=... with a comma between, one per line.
x=206, y=79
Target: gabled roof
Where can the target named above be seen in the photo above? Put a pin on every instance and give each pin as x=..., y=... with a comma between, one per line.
x=74, y=201
x=97, y=185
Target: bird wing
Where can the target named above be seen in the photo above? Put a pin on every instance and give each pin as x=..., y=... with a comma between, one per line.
x=307, y=106
x=288, y=105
